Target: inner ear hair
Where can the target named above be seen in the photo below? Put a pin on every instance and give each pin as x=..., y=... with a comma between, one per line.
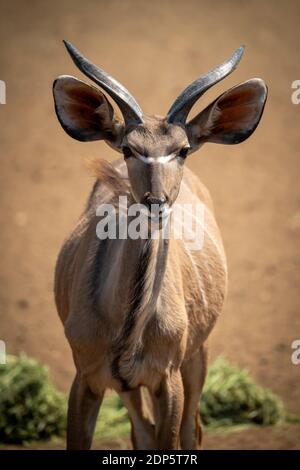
x=232, y=117
x=83, y=111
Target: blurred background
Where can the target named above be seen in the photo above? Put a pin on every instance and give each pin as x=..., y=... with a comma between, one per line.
x=155, y=49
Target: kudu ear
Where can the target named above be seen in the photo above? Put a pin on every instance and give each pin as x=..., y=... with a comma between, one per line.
x=84, y=112
x=232, y=117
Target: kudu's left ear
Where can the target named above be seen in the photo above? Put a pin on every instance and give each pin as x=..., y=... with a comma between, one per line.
x=84, y=112
x=232, y=117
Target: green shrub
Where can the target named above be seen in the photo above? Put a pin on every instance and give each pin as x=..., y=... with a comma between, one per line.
x=231, y=397
x=30, y=406
x=113, y=421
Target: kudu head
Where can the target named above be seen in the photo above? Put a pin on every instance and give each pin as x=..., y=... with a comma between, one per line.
x=155, y=148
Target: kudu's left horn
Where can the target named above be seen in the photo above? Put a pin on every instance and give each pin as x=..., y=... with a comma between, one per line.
x=130, y=109
x=184, y=102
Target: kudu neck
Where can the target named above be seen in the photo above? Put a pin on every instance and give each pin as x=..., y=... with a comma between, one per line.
x=143, y=265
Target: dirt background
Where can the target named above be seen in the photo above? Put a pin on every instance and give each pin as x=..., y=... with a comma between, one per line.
x=156, y=48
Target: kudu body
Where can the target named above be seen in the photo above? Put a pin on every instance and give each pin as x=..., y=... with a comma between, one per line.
x=137, y=312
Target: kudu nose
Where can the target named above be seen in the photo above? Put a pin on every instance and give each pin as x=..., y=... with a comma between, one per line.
x=157, y=202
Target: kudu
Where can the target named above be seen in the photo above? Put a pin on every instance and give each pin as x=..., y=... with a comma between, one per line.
x=137, y=312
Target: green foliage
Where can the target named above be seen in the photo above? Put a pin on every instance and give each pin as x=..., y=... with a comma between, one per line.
x=30, y=407
x=231, y=397
x=113, y=421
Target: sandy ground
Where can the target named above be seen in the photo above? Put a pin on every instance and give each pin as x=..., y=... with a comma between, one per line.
x=155, y=49
x=276, y=438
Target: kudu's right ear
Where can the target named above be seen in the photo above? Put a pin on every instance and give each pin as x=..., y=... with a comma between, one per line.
x=232, y=117
x=84, y=112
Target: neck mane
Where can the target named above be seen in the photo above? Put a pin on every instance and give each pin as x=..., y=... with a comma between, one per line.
x=146, y=280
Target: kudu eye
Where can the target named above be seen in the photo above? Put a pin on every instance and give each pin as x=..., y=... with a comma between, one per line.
x=127, y=152
x=183, y=152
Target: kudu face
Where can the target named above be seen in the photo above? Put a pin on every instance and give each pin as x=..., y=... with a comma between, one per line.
x=155, y=148
x=154, y=153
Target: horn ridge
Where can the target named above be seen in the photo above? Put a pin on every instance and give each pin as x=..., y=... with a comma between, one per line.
x=184, y=102
x=130, y=109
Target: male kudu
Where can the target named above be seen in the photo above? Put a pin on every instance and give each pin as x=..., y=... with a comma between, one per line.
x=137, y=312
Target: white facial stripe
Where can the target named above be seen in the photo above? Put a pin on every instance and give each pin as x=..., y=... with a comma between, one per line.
x=163, y=159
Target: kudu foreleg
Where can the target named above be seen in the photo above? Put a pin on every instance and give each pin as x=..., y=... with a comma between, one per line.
x=83, y=408
x=142, y=426
x=168, y=407
x=193, y=376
